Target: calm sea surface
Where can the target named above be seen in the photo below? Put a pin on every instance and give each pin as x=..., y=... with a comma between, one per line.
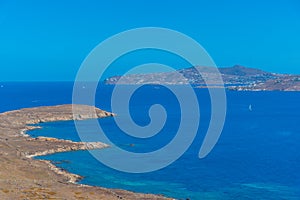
x=257, y=156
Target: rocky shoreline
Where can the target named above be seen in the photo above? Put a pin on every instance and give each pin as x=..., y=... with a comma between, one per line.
x=23, y=177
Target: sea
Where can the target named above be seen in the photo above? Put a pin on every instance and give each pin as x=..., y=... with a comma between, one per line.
x=257, y=155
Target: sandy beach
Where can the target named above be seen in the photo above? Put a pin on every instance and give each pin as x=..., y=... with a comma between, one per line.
x=23, y=177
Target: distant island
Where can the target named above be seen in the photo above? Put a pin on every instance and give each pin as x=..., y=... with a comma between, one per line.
x=238, y=78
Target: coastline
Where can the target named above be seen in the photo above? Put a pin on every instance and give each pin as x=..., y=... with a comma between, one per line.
x=24, y=177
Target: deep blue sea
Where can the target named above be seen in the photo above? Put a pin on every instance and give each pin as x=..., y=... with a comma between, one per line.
x=256, y=157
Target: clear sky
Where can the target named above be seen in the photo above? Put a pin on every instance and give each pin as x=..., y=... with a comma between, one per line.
x=48, y=39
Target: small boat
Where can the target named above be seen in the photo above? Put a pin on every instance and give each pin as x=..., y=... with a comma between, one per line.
x=250, y=107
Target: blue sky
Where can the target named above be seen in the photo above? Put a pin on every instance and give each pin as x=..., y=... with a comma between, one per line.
x=47, y=40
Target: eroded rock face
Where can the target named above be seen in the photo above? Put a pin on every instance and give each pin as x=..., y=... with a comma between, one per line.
x=25, y=178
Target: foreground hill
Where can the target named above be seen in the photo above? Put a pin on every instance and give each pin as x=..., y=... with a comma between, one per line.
x=23, y=177
x=234, y=78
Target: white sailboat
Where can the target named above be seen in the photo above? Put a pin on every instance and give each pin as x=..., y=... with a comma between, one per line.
x=250, y=107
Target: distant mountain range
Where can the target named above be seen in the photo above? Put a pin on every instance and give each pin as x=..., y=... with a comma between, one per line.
x=234, y=78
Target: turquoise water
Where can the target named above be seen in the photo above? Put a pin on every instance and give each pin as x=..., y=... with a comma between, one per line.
x=257, y=156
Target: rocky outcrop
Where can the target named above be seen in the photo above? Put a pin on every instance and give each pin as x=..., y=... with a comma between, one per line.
x=68, y=146
x=19, y=118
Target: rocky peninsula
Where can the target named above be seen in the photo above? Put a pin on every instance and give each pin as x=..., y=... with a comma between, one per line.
x=23, y=177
